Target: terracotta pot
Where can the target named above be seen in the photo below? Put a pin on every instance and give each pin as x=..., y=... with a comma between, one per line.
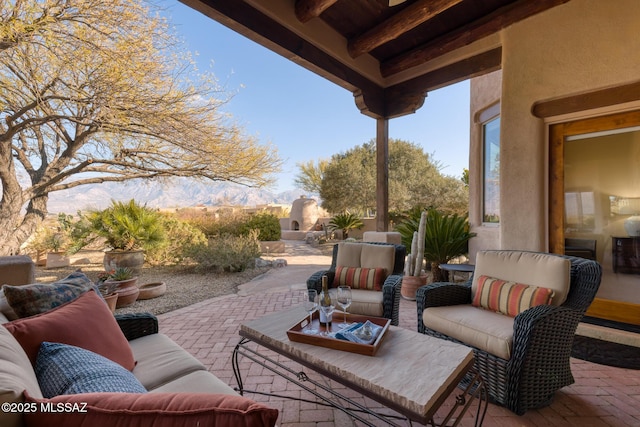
x=133, y=260
x=111, y=300
x=410, y=285
x=127, y=291
x=152, y=290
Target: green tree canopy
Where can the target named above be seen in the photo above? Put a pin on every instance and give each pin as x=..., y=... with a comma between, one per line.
x=311, y=174
x=94, y=91
x=349, y=181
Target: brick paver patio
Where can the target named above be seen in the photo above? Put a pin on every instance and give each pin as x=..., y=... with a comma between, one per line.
x=601, y=396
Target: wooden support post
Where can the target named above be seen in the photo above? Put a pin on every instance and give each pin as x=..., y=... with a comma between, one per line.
x=382, y=174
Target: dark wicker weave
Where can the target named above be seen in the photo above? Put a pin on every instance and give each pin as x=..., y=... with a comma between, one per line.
x=137, y=325
x=390, y=288
x=543, y=337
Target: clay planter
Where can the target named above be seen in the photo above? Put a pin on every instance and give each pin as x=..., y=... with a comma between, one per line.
x=410, y=285
x=133, y=260
x=127, y=291
x=111, y=301
x=56, y=260
x=152, y=290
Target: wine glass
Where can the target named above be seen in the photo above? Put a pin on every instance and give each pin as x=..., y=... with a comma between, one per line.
x=344, y=300
x=310, y=303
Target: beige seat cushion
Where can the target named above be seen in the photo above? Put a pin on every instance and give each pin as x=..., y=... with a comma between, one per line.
x=16, y=375
x=196, y=382
x=366, y=255
x=528, y=268
x=160, y=361
x=483, y=329
x=366, y=302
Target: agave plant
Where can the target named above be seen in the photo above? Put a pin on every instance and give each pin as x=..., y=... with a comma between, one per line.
x=345, y=222
x=446, y=237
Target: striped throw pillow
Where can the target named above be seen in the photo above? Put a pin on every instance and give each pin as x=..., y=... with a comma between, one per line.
x=370, y=279
x=509, y=298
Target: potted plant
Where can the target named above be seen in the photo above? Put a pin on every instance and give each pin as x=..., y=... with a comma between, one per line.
x=414, y=275
x=50, y=242
x=446, y=237
x=107, y=290
x=345, y=222
x=128, y=230
x=56, y=243
x=126, y=285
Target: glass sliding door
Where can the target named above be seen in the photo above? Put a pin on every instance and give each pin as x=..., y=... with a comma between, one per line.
x=594, y=205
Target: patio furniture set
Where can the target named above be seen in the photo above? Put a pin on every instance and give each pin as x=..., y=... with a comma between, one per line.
x=507, y=331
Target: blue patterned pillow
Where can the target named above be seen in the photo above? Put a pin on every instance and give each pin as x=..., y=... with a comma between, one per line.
x=29, y=300
x=66, y=369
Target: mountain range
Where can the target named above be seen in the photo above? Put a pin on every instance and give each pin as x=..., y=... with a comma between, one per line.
x=180, y=192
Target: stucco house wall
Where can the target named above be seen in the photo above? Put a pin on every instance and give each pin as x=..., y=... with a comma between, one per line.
x=577, y=47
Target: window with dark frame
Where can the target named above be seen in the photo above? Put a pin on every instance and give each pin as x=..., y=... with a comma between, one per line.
x=491, y=171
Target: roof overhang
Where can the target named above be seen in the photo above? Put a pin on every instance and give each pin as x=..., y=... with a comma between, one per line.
x=389, y=57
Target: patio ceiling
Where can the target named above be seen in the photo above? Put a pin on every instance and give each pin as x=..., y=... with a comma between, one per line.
x=389, y=57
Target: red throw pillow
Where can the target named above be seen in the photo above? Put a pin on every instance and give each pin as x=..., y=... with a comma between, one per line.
x=509, y=298
x=370, y=279
x=150, y=409
x=85, y=322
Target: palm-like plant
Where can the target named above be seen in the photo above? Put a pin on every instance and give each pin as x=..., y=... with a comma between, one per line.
x=345, y=222
x=124, y=225
x=446, y=237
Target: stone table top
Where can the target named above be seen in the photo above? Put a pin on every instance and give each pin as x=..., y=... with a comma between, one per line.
x=411, y=373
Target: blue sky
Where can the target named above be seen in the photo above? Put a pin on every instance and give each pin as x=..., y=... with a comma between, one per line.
x=304, y=115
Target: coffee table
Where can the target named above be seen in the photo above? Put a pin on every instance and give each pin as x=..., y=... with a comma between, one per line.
x=411, y=373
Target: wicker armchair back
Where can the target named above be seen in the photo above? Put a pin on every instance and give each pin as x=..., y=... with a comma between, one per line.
x=390, y=288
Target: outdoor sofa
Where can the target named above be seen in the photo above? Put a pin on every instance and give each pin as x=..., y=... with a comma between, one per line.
x=132, y=376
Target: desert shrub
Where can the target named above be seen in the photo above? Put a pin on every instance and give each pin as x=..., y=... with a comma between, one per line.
x=181, y=237
x=216, y=223
x=267, y=224
x=235, y=223
x=227, y=253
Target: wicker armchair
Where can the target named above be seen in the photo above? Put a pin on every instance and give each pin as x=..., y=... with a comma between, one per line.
x=541, y=342
x=390, y=288
x=137, y=325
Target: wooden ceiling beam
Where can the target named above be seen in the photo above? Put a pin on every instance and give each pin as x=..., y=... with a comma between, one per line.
x=407, y=97
x=398, y=24
x=309, y=9
x=468, y=34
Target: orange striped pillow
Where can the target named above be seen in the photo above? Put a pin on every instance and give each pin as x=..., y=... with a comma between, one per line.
x=370, y=279
x=509, y=298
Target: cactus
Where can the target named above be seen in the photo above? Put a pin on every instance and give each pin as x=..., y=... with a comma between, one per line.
x=413, y=266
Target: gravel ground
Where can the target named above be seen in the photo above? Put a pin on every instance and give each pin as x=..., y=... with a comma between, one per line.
x=184, y=287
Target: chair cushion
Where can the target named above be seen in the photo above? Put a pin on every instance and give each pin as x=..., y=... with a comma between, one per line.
x=196, y=382
x=152, y=409
x=66, y=369
x=366, y=303
x=29, y=300
x=509, y=298
x=483, y=329
x=370, y=279
x=16, y=375
x=533, y=268
x=160, y=360
x=366, y=255
x=85, y=322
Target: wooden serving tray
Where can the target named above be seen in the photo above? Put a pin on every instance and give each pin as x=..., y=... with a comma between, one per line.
x=295, y=333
